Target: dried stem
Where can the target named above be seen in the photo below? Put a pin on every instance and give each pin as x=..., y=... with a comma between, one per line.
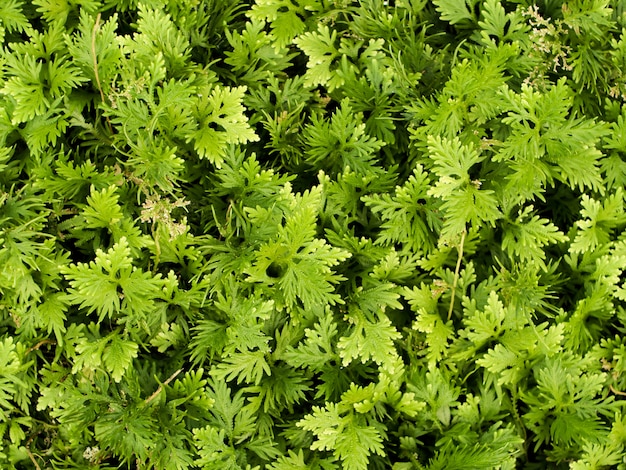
x=158, y=390
x=40, y=344
x=28, y=451
x=617, y=392
x=32, y=458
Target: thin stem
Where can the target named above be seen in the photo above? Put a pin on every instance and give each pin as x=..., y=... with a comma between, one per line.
x=96, y=27
x=28, y=451
x=456, y=273
x=40, y=344
x=32, y=458
x=158, y=390
x=616, y=392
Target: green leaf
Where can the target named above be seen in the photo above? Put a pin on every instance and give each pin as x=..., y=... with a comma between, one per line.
x=103, y=210
x=340, y=143
x=549, y=140
x=118, y=356
x=12, y=383
x=437, y=333
x=219, y=121
x=170, y=336
x=245, y=366
x=316, y=350
x=409, y=215
x=52, y=312
x=12, y=16
x=350, y=439
x=100, y=40
x=95, y=285
x=599, y=219
x=295, y=261
x=112, y=353
x=463, y=200
x=213, y=452
x=566, y=404
x=497, y=448
x=457, y=12
x=322, y=56
x=285, y=17
x=487, y=325
x=526, y=236
x=292, y=461
x=255, y=54
x=25, y=89
x=356, y=443
x=111, y=286
x=368, y=341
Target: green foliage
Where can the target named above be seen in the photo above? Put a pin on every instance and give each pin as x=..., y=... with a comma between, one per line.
x=287, y=18
x=112, y=287
x=113, y=353
x=410, y=215
x=566, y=404
x=463, y=200
x=295, y=261
x=456, y=12
x=220, y=121
x=525, y=237
x=348, y=436
x=281, y=234
x=341, y=143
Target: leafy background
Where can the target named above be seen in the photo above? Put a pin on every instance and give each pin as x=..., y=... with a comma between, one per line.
x=312, y=234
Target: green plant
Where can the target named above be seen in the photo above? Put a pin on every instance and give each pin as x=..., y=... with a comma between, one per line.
x=281, y=234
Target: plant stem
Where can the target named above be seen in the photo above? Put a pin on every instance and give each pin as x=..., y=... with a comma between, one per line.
x=456, y=273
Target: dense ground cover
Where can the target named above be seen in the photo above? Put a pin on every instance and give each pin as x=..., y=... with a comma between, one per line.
x=312, y=234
